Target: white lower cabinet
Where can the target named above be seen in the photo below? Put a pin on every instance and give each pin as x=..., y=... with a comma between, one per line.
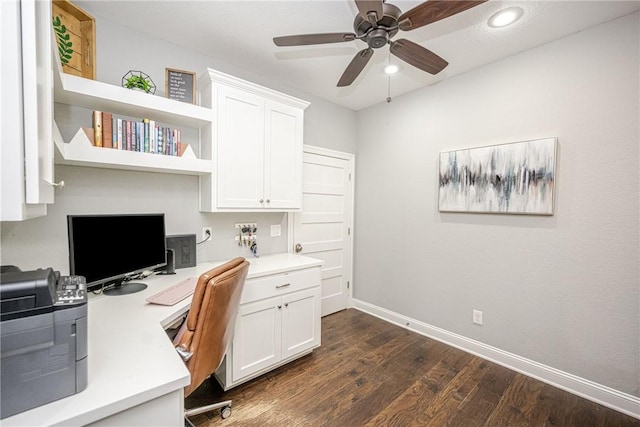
x=278, y=321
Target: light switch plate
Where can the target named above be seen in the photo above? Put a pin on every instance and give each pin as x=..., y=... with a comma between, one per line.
x=276, y=230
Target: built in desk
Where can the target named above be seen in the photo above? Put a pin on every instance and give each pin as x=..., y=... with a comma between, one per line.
x=135, y=375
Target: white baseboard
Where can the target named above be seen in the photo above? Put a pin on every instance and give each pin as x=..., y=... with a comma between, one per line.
x=603, y=395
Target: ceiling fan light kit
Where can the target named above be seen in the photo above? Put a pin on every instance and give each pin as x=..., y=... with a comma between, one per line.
x=376, y=24
x=391, y=69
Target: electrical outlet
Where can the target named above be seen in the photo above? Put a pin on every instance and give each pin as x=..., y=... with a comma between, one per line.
x=477, y=317
x=276, y=230
x=207, y=233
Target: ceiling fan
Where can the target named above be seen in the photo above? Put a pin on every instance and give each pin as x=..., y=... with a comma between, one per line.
x=377, y=23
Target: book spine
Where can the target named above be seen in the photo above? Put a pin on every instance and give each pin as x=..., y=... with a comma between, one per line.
x=114, y=134
x=153, y=144
x=107, y=130
x=120, y=139
x=145, y=135
x=159, y=132
x=135, y=133
x=175, y=143
x=128, y=133
x=97, y=128
x=140, y=136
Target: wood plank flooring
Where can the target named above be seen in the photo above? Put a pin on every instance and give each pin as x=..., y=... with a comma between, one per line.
x=369, y=372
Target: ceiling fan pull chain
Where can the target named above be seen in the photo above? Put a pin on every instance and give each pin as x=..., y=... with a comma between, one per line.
x=389, y=91
x=389, y=83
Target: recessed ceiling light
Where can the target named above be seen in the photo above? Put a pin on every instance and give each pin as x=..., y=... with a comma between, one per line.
x=505, y=17
x=391, y=69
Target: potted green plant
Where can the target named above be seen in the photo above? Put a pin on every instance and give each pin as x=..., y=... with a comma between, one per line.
x=138, y=80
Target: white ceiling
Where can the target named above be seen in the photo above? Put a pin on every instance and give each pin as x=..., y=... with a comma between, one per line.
x=240, y=33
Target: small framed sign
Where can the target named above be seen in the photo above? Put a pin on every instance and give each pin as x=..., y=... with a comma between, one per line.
x=180, y=85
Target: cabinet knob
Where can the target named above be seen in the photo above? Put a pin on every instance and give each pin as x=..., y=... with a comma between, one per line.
x=268, y=201
x=261, y=201
x=279, y=307
x=286, y=304
x=55, y=184
x=298, y=248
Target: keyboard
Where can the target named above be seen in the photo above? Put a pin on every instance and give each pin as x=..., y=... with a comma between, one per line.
x=174, y=293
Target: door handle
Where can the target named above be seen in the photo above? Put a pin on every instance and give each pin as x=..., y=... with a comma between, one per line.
x=298, y=248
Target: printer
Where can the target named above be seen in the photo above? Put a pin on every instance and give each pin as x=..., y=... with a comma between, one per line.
x=43, y=333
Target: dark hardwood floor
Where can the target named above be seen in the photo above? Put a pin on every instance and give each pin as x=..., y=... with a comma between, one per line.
x=371, y=373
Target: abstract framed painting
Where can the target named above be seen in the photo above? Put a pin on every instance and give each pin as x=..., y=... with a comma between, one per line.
x=514, y=178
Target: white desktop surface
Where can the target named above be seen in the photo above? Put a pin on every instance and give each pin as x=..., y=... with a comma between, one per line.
x=130, y=358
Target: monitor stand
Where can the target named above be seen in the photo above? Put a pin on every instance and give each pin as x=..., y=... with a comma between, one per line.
x=125, y=288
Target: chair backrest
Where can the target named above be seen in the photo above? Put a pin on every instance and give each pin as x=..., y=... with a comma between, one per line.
x=210, y=324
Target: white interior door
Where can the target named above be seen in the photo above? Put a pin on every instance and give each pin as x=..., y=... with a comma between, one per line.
x=324, y=228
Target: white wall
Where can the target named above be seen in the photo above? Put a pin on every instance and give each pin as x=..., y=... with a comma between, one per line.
x=560, y=290
x=42, y=242
x=326, y=124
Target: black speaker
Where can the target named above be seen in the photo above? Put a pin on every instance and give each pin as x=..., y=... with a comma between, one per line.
x=170, y=268
x=184, y=250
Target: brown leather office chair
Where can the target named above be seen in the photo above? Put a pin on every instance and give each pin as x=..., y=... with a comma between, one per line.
x=208, y=329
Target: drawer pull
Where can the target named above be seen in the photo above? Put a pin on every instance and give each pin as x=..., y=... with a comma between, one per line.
x=283, y=286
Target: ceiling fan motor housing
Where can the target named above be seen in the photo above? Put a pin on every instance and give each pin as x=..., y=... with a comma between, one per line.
x=386, y=27
x=377, y=38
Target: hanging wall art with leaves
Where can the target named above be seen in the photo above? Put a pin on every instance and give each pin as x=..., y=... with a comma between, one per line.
x=64, y=44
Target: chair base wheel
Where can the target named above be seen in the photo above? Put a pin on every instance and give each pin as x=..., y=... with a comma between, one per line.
x=225, y=412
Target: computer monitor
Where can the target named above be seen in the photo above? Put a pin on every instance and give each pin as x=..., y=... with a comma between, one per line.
x=110, y=250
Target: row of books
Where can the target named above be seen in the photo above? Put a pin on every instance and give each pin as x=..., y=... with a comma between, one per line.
x=144, y=136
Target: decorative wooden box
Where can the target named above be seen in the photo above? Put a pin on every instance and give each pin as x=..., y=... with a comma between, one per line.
x=82, y=30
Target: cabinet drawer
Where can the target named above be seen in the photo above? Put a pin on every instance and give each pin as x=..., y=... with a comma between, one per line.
x=280, y=284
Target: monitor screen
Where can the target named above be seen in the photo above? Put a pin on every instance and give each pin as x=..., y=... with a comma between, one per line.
x=110, y=249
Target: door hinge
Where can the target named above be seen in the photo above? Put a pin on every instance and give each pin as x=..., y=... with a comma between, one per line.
x=349, y=176
x=348, y=285
x=348, y=231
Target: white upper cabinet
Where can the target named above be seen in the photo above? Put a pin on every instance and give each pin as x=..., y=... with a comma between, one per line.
x=246, y=142
x=26, y=110
x=258, y=140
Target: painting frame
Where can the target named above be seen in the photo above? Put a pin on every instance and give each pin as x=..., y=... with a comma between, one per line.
x=513, y=178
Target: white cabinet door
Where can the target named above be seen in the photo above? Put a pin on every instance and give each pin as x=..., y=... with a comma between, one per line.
x=300, y=322
x=37, y=89
x=257, y=342
x=240, y=149
x=26, y=156
x=283, y=156
x=274, y=329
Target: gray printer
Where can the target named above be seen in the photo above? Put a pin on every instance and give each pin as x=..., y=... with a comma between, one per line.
x=43, y=337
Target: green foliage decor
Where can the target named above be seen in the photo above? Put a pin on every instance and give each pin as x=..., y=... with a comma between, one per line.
x=64, y=44
x=138, y=80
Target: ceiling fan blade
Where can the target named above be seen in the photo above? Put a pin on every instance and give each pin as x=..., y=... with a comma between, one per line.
x=306, y=39
x=355, y=67
x=418, y=56
x=432, y=11
x=367, y=6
